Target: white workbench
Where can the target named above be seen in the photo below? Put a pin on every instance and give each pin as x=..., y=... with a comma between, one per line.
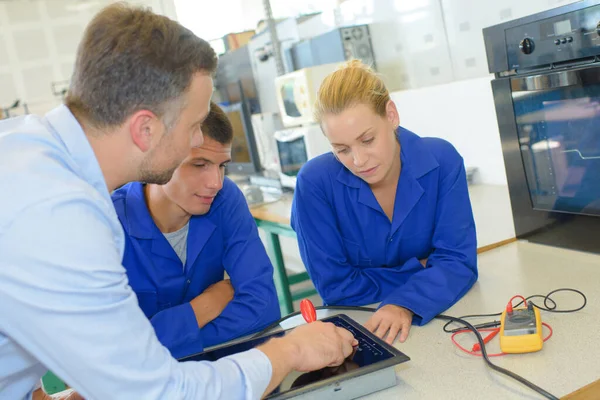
x=568, y=361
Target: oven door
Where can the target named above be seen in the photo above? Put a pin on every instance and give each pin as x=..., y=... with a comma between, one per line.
x=550, y=129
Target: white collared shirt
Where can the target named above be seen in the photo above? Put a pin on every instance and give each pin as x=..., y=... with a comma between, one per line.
x=65, y=302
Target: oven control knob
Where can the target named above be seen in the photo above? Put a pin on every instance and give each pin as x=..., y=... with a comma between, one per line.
x=527, y=46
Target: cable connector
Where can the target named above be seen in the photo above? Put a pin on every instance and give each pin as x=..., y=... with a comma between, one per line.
x=509, y=306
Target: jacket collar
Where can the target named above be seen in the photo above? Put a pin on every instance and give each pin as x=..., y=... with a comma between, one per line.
x=139, y=221
x=416, y=160
x=141, y=225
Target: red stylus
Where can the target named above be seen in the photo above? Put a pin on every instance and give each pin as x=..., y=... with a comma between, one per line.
x=308, y=311
x=310, y=315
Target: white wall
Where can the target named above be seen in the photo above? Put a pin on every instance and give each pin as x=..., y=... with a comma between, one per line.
x=38, y=43
x=463, y=113
x=226, y=16
x=421, y=43
x=214, y=19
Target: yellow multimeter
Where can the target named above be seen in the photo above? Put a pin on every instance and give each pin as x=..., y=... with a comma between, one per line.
x=521, y=330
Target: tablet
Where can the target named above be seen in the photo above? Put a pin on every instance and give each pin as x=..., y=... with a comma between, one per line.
x=370, y=368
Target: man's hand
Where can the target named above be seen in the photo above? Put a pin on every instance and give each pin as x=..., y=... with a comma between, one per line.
x=307, y=348
x=68, y=394
x=320, y=345
x=211, y=303
x=221, y=292
x=390, y=320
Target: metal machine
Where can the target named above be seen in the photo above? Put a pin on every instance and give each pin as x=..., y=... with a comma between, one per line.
x=547, y=97
x=335, y=46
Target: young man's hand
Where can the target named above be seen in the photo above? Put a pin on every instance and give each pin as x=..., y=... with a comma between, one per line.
x=210, y=304
x=221, y=292
x=68, y=394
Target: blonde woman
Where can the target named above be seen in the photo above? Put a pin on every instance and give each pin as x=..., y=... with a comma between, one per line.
x=385, y=217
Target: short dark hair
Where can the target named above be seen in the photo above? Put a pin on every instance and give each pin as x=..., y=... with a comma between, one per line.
x=217, y=126
x=132, y=59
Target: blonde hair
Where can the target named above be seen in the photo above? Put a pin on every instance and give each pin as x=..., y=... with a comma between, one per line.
x=353, y=83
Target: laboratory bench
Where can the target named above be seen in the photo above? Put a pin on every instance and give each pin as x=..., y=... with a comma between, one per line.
x=567, y=362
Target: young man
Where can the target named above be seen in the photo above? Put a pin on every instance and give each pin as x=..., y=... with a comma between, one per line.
x=140, y=90
x=181, y=237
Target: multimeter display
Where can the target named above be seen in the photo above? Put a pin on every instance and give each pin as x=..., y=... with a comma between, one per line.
x=520, y=322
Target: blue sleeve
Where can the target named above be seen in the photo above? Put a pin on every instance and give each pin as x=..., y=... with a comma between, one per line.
x=322, y=251
x=410, y=285
x=67, y=302
x=454, y=257
x=177, y=329
x=255, y=304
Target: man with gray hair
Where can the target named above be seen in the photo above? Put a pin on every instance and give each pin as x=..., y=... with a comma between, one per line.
x=139, y=94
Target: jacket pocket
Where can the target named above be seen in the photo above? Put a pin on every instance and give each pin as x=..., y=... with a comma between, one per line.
x=354, y=254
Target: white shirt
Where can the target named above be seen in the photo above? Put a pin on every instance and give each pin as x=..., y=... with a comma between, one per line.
x=65, y=302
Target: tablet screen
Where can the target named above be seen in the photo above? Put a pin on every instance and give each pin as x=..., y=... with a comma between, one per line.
x=370, y=352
